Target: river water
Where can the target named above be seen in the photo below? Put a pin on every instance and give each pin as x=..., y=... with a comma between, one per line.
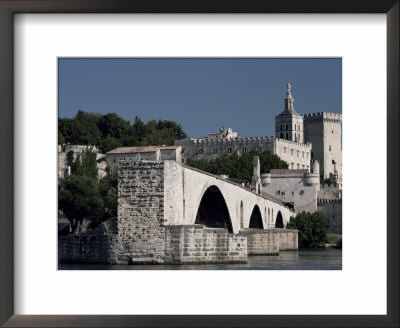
x=319, y=259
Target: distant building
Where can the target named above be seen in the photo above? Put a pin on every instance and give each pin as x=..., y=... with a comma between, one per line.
x=149, y=153
x=299, y=139
x=297, y=187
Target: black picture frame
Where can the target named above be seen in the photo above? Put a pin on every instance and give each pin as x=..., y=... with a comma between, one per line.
x=7, y=10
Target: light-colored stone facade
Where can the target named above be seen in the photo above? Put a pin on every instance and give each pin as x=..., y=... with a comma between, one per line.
x=185, y=187
x=289, y=123
x=146, y=153
x=324, y=131
x=297, y=155
x=298, y=187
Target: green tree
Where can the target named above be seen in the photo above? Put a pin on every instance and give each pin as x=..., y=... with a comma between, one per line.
x=114, y=126
x=87, y=131
x=138, y=130
x=312, y=227
x=79, y=198
x=239, y=166
x=84, y=164
x=61, y=139
x=108, y=188
x=109, y=143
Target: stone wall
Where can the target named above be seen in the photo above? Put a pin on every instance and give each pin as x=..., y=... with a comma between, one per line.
x=91, y=246
x=333, y=211
x=270, y=242
x=288, y=239
x=293, y=188
x=186, y=244
x=292, y=152
x=324, y=131
x=261, y=242
x=140, y=224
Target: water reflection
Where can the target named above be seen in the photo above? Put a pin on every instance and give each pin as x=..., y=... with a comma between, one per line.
x=324, y=259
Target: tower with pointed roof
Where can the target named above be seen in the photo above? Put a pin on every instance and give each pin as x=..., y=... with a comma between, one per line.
x=289, y=123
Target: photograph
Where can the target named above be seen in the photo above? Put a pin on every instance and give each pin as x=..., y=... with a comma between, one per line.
x=200, y=164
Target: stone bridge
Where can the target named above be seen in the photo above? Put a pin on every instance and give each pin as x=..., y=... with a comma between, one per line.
x=171, y=213
x=192, y=196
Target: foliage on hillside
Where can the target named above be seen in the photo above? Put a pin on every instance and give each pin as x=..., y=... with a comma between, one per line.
x=239, y=166
x=110, y=131
x=312, y=227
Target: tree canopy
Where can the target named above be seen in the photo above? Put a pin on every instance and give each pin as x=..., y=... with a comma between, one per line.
x=239, y=166
x=312, y=227
x=79, y=198
x=110, y=131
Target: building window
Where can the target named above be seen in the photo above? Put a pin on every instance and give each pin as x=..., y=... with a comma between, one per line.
x=301, y=192
x=281, y=135
x=283, y=193
x=303, y=154
x=214, y=150
x=298, y=153
x=278, y=192
x=298, y=136
x=229, y=150
x=200, y=151
x=330, y=147
x=332, y=131
x=298, y=166
x=244, y=149
x=182, y=151
x=307, y=154
x=292, y=193
x=292, y=166
x=303, y=166
x=312, y=154
x=287, y=135
x=281, y=127
x=284, y=150
x=287, y=127
x=114, y=160
x=295, y=127
x=291, y=152
x=183, y=160
x=259, y=149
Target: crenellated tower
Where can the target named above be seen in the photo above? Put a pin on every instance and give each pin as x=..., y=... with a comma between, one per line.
x=289, y=123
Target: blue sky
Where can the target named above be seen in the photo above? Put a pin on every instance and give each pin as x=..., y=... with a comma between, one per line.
x=202, y=94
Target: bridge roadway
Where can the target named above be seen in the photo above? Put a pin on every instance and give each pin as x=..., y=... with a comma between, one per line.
x=193, y=196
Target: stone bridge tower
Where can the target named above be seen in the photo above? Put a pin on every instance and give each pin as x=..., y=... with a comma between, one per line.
x=289, y=123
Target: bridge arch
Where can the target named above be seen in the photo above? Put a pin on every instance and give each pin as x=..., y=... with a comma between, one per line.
x=279, y=220
x=256, y=218
x=213, y=211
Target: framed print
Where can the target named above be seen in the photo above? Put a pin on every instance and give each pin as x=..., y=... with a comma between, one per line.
x=39, y=47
